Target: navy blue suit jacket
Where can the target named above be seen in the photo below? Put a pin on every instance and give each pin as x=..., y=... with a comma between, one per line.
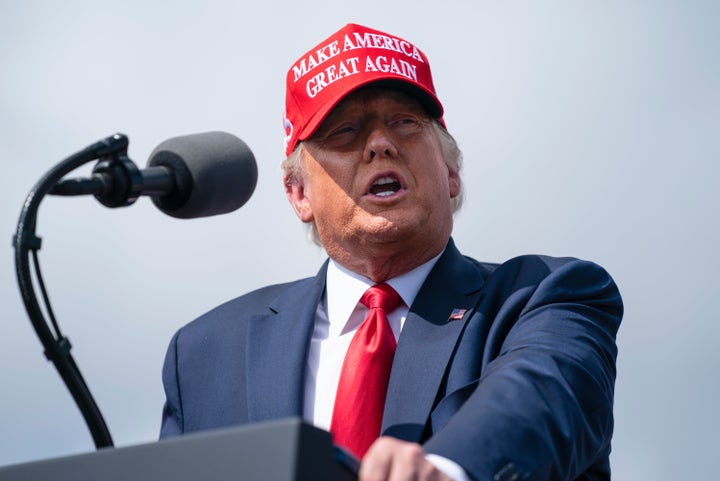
x=520, y=387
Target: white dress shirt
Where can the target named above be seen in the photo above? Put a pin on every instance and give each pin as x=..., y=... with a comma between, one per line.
x=338, y=316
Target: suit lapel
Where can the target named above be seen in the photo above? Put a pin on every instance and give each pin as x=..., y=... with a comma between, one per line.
x=277, y=348
x=427, y=341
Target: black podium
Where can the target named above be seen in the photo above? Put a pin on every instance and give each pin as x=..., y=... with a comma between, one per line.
x=285, y=450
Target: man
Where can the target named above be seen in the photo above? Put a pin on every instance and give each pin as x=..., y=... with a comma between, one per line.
x=482, y=371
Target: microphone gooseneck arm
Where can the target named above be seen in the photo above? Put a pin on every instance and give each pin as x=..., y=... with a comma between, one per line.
x=190, y=176
x=26, y=242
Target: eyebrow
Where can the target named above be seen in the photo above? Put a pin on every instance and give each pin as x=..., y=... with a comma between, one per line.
x=403, y=100
x=337, y=111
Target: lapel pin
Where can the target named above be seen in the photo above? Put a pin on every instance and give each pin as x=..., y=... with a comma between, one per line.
x=457, y=314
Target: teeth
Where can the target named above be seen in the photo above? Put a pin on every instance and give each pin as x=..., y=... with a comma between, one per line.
x=384, y=180
x=385, y=186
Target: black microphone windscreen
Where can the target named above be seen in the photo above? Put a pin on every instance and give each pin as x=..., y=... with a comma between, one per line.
x=215, y=173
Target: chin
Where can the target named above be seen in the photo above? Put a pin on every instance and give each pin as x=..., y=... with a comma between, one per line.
x=389, y=231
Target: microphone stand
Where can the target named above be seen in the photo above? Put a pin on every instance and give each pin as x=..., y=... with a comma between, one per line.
x=25, y=242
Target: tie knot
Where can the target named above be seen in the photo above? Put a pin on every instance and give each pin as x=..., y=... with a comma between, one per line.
x=381, y=296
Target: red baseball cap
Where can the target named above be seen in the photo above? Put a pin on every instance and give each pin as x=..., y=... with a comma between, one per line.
x=352, y=57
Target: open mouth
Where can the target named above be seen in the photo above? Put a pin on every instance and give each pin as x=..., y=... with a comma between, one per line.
x=385, y=186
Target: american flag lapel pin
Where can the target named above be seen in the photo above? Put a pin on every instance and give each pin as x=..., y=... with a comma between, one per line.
x=457, y=314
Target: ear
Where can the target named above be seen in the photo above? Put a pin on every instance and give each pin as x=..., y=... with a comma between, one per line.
x=454, y=183
x=295, y=192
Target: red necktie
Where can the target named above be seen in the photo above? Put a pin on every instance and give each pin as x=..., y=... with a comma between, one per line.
x=360, y=398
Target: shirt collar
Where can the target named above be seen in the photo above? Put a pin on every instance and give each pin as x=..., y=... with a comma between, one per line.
x=344, y=289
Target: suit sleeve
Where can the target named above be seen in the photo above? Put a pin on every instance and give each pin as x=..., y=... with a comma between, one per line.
x=541, y=408
x=172, y=418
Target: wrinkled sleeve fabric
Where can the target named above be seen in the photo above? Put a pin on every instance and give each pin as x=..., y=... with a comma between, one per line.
x=172, y=417
x=540, y=407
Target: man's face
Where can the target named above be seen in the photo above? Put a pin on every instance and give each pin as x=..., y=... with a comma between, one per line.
x=374, y=173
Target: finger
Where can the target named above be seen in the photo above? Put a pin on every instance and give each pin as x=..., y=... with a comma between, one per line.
x=376, y=463
x=390, y=459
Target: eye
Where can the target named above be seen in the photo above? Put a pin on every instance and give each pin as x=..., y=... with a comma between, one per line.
x=406, y=124
x=337, y=136
x=342, y=130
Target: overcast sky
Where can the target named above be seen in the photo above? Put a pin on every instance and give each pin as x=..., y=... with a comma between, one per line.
x=589, y=129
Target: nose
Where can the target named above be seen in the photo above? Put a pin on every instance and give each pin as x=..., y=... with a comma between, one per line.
x=380, y=144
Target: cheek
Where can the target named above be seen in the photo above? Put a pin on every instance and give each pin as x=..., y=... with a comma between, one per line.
x=333, y=182
x=327, y=194
x=442, y=181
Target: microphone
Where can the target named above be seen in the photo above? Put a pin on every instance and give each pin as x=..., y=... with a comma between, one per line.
x=190, y=176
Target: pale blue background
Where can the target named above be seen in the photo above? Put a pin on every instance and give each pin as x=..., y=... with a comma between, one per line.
x=590, y=128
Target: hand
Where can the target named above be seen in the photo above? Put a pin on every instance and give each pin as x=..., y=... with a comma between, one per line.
x=390, y=459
